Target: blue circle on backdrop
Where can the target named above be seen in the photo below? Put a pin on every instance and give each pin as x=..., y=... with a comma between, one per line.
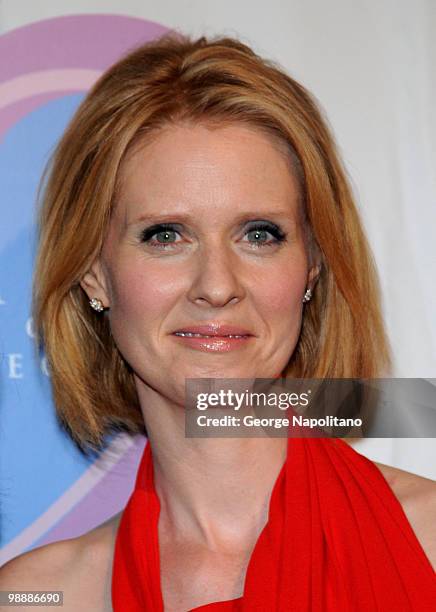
x=27, y=414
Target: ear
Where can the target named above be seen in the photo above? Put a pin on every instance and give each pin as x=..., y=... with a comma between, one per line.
x=95, y=285
x=313, y=275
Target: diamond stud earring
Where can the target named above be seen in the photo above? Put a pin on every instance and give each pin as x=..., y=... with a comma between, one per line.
x=307, y=295
x=96, y=304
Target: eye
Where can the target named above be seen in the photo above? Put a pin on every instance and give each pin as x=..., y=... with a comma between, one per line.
x=260, y=231
x=165, y=234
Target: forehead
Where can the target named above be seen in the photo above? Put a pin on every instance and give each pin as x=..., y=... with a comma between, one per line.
x=202, y=168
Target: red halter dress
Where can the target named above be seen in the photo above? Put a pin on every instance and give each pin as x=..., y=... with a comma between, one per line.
x=336, y=540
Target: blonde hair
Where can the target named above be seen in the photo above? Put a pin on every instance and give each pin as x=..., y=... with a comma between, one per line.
x=171, y=80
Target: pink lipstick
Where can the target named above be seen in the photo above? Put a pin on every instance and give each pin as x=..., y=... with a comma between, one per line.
x=213, y=337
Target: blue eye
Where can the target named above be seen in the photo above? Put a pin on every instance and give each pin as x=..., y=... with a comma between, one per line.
x=260, y=232
x=164, y=231
x=165, y=236
x=162, y=235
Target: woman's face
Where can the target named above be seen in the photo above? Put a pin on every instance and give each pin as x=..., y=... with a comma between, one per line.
x=231, y=253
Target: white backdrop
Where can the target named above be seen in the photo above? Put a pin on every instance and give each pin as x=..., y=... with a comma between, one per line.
x=371, y=65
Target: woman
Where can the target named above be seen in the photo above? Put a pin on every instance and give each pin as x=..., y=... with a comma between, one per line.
x=197, y=190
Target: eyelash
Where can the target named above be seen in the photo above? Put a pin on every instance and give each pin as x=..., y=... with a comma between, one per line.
x=148, y=233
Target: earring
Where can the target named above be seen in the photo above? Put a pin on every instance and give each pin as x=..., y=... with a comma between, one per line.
x=96, y=304
x=307, y=295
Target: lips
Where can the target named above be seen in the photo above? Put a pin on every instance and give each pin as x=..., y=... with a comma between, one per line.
x=213, y=330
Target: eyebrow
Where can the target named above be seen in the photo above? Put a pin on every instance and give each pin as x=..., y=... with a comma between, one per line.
x=182, y=217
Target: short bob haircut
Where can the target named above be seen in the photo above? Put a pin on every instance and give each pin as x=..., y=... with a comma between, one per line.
x=212, y=81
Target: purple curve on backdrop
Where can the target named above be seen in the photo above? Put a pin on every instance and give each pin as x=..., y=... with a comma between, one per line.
x=100, y=503
x=73, y=41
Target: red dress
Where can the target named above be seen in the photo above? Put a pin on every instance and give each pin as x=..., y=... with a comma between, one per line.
x=336, y=540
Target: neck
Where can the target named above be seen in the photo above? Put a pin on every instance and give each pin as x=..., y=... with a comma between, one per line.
x=214, y=491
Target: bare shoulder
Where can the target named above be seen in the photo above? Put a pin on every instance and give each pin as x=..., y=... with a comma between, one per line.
x=417, y=496
x=81, y=567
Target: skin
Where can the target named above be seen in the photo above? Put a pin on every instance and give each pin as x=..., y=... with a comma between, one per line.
x=211, y=272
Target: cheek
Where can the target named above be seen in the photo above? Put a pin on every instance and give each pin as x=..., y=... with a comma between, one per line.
x=280, y=293
x=141, y=294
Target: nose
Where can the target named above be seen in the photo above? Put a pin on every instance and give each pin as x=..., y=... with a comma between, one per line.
x=216, y=280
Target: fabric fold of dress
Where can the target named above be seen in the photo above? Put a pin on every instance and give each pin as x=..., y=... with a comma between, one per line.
x=337, y=539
